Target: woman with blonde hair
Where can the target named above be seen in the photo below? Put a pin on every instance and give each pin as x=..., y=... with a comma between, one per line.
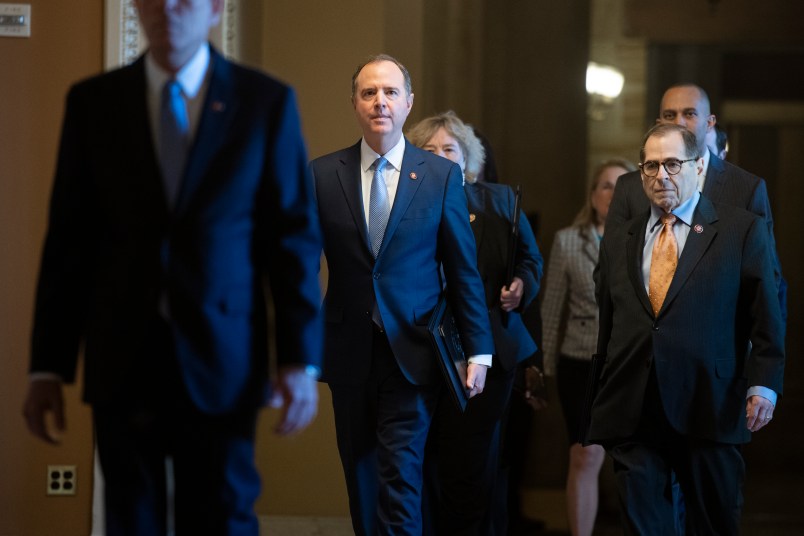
x=570, y=323
x=466, y=445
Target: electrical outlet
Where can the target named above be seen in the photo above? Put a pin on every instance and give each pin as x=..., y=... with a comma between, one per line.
x=61, y=479
x=15, y=20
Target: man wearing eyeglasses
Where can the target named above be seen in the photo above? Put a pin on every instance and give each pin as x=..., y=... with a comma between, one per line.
x=682, y=288
x=687, y=105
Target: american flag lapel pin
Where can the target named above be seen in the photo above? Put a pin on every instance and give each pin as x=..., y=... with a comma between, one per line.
x=698, y=228
x=413, y=176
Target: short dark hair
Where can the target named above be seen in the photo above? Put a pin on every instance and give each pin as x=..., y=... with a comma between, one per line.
x=663, y=129
x=376, y=59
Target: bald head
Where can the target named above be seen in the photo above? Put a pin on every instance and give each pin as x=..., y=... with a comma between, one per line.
x=687, y=105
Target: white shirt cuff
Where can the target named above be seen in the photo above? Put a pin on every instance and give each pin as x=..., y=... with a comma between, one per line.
x=480, y=359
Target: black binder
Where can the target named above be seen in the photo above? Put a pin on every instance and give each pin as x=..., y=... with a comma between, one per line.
x=451, y=359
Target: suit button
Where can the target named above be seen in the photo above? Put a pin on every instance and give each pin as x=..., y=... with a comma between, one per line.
x=655, y=327
x=376, y=275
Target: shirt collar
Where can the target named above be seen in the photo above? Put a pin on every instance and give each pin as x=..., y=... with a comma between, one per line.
x=683, y=212
x=190, y=77
x=394, y=155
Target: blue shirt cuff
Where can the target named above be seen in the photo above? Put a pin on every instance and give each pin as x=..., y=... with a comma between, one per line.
x=764, y=392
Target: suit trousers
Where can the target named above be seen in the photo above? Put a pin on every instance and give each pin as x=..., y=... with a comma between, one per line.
x=710, y=475
x=465, y=452
x=167, y=465
x=381, y=428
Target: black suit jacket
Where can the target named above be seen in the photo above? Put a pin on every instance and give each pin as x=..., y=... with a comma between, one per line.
x=244, y=217
x=491, y=208
x=725, y=183
x=428, y=226
x=722, y=295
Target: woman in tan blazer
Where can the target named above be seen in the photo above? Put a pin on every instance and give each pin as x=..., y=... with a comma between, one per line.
x=570, y=322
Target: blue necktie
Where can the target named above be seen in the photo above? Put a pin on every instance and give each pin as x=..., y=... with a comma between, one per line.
x=379, y=207
x=173, y=139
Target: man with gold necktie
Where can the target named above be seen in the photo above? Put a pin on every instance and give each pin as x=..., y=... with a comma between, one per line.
x=682, y=288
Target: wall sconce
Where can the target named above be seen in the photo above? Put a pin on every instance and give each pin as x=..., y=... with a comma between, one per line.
x=603, y=84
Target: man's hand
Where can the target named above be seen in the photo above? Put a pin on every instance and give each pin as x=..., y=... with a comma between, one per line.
x=511, y=296
x=476, y=378
x=535, y=391
x=297, y=393
x=45, y=399
x=758, y=412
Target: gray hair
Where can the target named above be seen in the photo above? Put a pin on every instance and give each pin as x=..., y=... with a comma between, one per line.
x=473, y=151
x=664, y=129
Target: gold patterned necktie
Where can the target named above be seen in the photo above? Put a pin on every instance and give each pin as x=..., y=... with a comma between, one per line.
x=664, y=260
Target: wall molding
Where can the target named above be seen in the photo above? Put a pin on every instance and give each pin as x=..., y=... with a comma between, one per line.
x=124, y=42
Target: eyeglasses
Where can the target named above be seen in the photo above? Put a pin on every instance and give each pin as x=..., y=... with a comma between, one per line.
x=671, y=165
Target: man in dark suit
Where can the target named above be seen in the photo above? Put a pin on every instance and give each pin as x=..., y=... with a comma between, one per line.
x=687, y=105
x=393, y=216
x=682, y=288
x=181, y=191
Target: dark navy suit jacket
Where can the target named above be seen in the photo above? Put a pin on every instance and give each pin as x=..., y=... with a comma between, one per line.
x=245, y=217
x=491, y=208
x=722, y=295
x=428, y=226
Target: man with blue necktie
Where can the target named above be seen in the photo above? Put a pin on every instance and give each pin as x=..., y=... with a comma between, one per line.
x=181, y=195
x=396, y=229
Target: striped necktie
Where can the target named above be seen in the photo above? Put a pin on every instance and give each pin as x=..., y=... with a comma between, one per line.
x=379, y=207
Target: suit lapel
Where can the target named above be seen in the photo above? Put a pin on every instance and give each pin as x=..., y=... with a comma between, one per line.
x=412, y=166
x=633, y=252
x=218, y=110
x=701, y=235
x=349, y=175
x=591, y=246
x=140, y=147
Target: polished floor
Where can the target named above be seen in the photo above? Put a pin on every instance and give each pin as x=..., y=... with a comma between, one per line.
x=774, y=506
x=774, y=491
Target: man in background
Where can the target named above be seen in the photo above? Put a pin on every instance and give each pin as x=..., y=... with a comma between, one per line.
x=180, y=193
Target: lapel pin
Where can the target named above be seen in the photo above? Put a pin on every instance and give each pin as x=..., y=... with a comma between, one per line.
x=698, y=228
x=472, y=218
x=413, y=176
x=218, y=106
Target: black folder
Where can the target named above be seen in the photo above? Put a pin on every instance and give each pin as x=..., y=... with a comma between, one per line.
x=451, y=359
